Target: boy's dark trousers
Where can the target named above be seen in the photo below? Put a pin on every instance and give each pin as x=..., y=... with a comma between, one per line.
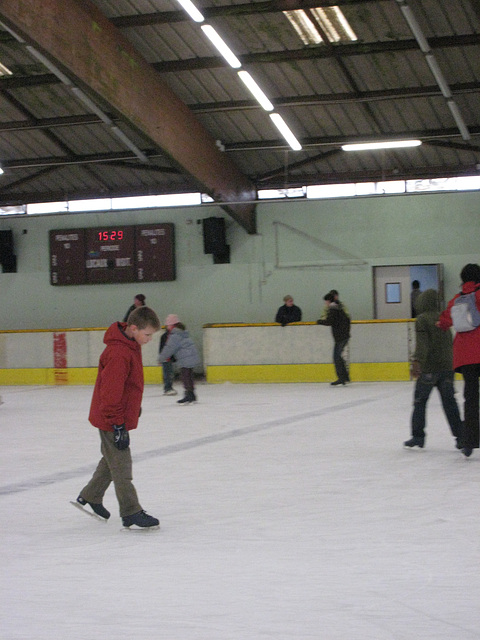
x=471, y=375
x=443, y=380
x=115, y=466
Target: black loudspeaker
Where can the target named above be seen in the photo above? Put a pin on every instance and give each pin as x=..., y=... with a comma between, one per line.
x=9, y=264
x=8, y=259
x=6, y=243
x=214, y=236
x=223, y=257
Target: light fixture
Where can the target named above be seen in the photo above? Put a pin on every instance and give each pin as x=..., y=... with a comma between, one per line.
x=392, y=144
x=438, y=75
x=255, y=90
x=282, y=126
x=414, y=26
x=221, y=46
x=459, y=121
x=1, y=170
x=192, y=10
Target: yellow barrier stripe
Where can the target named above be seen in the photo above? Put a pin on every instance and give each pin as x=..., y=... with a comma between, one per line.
x=73, y=376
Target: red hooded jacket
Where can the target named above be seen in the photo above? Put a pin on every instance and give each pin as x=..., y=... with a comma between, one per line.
x=466, y=345
x=117, y=396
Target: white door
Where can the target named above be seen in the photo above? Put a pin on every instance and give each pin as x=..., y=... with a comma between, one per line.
x=392, y=292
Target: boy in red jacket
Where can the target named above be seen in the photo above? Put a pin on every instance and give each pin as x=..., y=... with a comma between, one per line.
x=115, y=409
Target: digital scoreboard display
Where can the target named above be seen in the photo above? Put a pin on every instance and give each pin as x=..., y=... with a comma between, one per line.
x=109, y=255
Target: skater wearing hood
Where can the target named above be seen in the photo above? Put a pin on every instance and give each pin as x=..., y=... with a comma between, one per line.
x=432, y=366
x=114, y=411
x=466, y=357
x=180, y=345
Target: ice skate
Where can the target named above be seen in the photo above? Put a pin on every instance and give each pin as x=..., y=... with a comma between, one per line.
x=414, y=442
x=94, y=509
x=140, y=520
x=188, y=399
x=170, y=392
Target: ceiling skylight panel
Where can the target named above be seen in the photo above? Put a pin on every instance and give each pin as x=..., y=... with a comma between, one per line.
x=330, y=20
x=303, y=25
x=4, y=71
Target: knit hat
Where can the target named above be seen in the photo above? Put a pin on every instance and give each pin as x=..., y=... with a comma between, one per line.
x=172, y=319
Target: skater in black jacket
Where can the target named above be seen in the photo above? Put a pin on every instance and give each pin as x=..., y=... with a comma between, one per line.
x=340, y=323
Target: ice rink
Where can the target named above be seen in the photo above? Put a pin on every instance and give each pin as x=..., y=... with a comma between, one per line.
x=288, y=512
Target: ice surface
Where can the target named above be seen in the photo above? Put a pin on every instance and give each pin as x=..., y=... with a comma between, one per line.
x=288, y=512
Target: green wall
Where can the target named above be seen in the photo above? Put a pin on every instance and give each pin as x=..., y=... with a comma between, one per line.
x=302, y=248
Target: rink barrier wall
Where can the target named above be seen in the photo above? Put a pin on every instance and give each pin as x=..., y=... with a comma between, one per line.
x=61, y=357
x=378, y=350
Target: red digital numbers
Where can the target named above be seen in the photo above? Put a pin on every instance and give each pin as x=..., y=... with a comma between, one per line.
x=105, y=236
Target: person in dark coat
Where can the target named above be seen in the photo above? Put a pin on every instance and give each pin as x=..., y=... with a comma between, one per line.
x=138, y=301
x=338, y=320
x=432, y=366
x=167, y=365
x=288, y=312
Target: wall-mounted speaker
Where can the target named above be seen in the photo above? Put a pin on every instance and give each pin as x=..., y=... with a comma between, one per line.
x=8, y=259
x=214, y=235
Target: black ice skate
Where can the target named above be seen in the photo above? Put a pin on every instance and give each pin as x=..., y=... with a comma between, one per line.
x=140, y=520
x=97, y=509
x=188, y=399
x=414, y=442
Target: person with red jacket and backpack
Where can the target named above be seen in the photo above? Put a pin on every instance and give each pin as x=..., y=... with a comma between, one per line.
x=466, y=358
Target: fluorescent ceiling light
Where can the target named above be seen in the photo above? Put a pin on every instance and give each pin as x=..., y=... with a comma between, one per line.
x=1, y=171
x=255, y=90
x=459, y=121
x=393, y=144
x=438, y=75
x=4, y=71
x=192, y=10
x=414, y=27
x=222, y=47
x=281, y=125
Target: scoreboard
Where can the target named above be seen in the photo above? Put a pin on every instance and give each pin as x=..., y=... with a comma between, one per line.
x=108, y=255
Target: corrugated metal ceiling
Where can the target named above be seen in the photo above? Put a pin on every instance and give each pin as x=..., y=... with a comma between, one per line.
x=52, y=146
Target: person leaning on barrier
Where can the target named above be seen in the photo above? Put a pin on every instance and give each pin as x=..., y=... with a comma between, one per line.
x=288, y=312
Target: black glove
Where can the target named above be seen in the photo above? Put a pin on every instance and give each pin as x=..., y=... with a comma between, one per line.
x=121, y=439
